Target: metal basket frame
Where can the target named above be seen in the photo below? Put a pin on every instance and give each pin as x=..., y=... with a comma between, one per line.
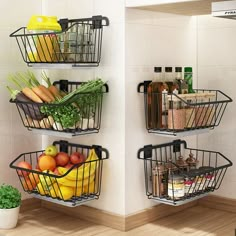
x=201, y=114
x=79, y=44
x=33, y=119
x=51, y=179
x=166, y=155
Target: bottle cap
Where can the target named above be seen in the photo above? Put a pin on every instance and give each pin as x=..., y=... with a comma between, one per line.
x=168, y=69
x=157, y=69
x=178, y=69
x=188, y=69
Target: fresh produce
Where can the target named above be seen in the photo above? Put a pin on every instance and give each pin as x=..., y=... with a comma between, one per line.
x=51, y=150
x=62, y=159
x=34, y=177
x=27, y=184
x=47, y=180
x=84, y=171
x=73, y=183
x=25, y=165
x=32, y=110
x=77, y=158
x=65, y=192
x=47, y=163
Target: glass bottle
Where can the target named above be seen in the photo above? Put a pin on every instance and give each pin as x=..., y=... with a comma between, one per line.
x=182, y=85
x=154, y=91
x=188, y=77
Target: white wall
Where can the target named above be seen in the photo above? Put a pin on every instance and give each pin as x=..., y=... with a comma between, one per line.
x=217, y=70
x=14, y=138
x=111, y=69
x=152, y=39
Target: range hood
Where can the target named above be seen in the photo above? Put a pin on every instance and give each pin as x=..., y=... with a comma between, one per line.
x=224, y=9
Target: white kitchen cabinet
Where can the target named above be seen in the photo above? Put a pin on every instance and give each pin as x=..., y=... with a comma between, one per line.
x=188, y=8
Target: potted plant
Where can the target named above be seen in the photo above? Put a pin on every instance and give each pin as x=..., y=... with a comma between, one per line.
x=10, y=200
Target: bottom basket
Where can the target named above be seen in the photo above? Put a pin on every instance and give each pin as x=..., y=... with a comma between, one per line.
x=74, y=185
x=175, y=174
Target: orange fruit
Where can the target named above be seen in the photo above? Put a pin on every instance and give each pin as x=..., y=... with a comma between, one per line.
x=47, y=163
x=34, y=178
x=28, y=185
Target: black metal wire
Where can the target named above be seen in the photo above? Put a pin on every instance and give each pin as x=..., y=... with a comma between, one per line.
x=206, y=177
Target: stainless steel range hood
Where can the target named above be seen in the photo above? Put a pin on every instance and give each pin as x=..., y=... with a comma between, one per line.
x=224, y=9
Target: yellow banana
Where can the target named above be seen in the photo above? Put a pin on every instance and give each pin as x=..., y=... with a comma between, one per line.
x=84, y=171
x=46, y=181
x=73, y=183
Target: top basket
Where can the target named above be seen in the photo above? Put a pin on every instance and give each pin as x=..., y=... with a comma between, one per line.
x=181, y=114
x=78, y=44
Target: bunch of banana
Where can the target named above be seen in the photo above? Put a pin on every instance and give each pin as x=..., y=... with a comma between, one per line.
x=73, y=183
x=84, y=171
x=45, y=182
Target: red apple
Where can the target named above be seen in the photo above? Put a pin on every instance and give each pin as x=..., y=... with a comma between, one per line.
x=26, y=165
x=56, y=172
x=69, y=165
x=62, y=158
x=77, y=158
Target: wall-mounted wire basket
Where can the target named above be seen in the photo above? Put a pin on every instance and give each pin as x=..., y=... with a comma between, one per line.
x=179, y=114
x=80, y=116
x=176, y=174
x=83, y=180
x=79, y=43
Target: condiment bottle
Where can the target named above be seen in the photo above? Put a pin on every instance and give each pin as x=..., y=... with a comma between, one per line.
x=182, y=85
x=154, y=91
x=175, y=186
x=159, y=180
x=188, y=77
x=191, y=161
x=182, y=164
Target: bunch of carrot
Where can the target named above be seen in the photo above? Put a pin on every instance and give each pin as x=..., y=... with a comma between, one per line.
x=32, y=89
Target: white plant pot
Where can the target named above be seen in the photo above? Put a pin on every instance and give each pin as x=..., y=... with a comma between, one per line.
x=9, y=218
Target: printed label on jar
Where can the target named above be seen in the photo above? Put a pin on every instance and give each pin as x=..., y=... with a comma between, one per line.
x=176, y=190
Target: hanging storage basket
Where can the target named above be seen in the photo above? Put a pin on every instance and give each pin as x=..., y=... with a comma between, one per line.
x=181, y=114
x=78, y=44
x=74, y=186
x=176, y=174
x=80, y=115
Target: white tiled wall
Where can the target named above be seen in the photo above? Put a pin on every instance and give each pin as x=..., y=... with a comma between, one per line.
x=111, y=69
x=14, y=139
x=217, y=70
x=152, y=39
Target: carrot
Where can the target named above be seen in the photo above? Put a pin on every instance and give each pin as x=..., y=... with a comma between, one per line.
x=31, y=95
x=41, y=94
x=53, y=89
x=47, y=92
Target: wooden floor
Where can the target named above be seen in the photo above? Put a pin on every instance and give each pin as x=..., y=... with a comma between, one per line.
x=195, y=221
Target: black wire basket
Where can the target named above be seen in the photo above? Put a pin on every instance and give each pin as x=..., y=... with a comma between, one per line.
x=79, y=43
x=175, y=114
x=176, y=174
x=82, y=116
x=78, y=184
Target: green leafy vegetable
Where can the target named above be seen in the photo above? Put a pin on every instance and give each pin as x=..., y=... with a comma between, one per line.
x=10, y=197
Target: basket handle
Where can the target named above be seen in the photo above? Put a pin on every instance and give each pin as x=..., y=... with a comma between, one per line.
x=144, y=85
x=98, y=21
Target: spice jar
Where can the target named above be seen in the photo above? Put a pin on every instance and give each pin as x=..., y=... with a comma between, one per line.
x=191, y=161
x=159, y=180
x=188, y=185
x=182, y=164
x=209, y=176
x=175, y=186
x=199, y=179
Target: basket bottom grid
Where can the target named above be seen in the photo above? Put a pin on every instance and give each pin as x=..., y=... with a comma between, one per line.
x=74, y=202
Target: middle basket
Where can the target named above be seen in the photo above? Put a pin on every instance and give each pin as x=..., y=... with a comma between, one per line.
x=81, y=114
x=70, y=185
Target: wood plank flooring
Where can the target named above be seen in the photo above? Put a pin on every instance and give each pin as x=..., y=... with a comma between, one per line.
x=195, y=221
